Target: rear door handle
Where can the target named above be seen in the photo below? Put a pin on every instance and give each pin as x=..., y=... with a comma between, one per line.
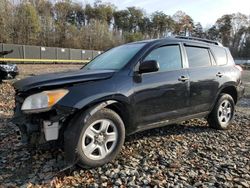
x=183, y=78
x=219, y=74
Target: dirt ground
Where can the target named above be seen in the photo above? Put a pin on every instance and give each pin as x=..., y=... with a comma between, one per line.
x=35, y=69
x=189, y=154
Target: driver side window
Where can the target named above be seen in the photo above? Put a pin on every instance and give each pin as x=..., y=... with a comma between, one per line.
x=168, y=57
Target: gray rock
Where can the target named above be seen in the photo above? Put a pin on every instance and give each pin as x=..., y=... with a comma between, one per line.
x=170, y=174
x=244, y=183
x=116, y=170
x=183, y=178
x=104, y=178
x=145, y=182
x=118, y=182
x=105, y=184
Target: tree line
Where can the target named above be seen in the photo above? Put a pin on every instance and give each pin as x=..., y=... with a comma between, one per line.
x=100, y=26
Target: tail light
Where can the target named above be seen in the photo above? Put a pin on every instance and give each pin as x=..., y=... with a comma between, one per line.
x=239, y=68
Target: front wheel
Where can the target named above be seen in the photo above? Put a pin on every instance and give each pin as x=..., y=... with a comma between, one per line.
x=222, y=113
x=101, y=138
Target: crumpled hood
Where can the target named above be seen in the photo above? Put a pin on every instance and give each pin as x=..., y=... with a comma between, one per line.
x=61, y=78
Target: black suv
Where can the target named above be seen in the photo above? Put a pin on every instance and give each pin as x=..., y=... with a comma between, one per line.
x=127, y=89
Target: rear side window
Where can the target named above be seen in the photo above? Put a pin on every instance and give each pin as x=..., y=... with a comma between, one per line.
x=220, y=55
x=168, y=57
x=198, y=57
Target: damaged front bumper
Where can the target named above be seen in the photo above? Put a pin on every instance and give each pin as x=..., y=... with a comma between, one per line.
x=40, y=128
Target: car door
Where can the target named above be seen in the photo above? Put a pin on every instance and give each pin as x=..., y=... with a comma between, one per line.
x=203, y=78
x=162, y=95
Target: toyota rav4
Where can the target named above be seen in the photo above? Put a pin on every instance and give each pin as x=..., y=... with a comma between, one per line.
x=129, y=88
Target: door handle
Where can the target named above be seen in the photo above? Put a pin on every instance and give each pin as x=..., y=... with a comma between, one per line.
x=219, y=74
x=183, y=78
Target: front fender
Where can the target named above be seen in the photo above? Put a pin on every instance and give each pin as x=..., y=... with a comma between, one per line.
x=100, y=98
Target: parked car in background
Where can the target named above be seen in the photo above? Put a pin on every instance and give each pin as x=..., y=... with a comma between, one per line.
x=129, y=88
x=7, y=71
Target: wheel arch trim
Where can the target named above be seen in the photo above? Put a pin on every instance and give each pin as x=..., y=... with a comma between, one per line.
x=221, y=89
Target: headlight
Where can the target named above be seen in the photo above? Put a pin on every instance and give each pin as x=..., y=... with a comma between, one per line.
x=43, y=101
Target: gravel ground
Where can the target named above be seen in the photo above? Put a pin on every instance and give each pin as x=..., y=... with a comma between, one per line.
x=183, y=155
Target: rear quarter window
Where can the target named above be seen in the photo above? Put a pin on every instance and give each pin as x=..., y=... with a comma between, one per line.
x=220, y=55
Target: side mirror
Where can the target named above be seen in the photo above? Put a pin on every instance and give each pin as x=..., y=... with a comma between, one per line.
x=149, y=66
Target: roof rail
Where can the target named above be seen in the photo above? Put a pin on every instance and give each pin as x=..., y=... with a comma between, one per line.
x=200, y=39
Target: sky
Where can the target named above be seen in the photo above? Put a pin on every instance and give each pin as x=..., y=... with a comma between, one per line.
x=204, y=11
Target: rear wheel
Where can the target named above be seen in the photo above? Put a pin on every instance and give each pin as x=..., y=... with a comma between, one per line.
x=101, y=138
x=223, y=112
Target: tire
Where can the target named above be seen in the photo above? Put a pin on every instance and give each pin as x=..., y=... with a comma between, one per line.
x=223, y=112
x=101, y=138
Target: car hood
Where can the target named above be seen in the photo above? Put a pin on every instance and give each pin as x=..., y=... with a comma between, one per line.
x=61, y=78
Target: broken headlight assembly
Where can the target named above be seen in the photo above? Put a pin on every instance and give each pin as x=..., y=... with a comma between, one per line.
x=42, y=102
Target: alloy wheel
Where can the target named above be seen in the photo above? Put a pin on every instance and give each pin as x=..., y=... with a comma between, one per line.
x=225, y=112
x=99, y=139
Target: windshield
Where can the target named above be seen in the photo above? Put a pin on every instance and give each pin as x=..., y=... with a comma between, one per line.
x=115, y=58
